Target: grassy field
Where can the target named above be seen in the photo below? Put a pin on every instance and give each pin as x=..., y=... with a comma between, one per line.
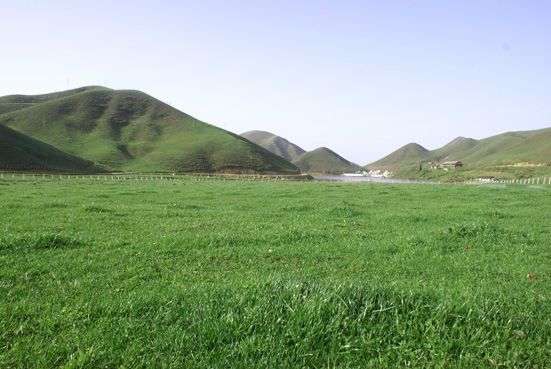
x=239, y=274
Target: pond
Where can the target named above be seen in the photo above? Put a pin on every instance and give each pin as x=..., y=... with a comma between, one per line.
x=368, y=179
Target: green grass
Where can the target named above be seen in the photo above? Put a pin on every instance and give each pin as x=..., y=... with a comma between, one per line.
x=226, y=273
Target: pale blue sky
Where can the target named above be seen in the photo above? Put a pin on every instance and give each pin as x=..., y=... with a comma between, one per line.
x=360, y=77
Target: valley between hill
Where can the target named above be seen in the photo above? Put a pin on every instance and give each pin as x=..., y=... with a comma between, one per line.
x=94, y=129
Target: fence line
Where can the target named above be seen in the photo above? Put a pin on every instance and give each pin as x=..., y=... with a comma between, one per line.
x=519, y=181
x=95, y=177
x=188, y=178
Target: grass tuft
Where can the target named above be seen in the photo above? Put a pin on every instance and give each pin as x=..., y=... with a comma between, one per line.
x=39, y=241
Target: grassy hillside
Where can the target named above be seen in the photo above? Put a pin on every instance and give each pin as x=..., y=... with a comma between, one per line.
x=508, y=155
x=20, y=152
x=16, y=102
x=511, y=147
x=131, y=131
x=455, y=148
x=408, y=154
x=534, y=149
x=323, y=160
x=274, y=144
x=489, y=147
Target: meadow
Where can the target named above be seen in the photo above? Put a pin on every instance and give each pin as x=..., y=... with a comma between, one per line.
x=265, y=274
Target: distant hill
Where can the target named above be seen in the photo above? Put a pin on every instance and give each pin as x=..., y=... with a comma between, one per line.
x=20, y=152
x=497, y=149
x=274, y=144
x=455, y=148
x=323, y=160
x=503, y=149
x=409, y=154
x=132, y=131
x=532, y=149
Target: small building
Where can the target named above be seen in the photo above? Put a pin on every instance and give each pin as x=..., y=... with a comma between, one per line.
x=451, y=165
x=486, y=179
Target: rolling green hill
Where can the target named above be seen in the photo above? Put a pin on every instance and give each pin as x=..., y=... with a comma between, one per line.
x=274, y=144
x=131, y=131
x=533, y=147
x=497, y=149
x=17, y=102
x=455, y=148
x=411, y=153
x=20, y=152
x=509, y=155
x=323, y=160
